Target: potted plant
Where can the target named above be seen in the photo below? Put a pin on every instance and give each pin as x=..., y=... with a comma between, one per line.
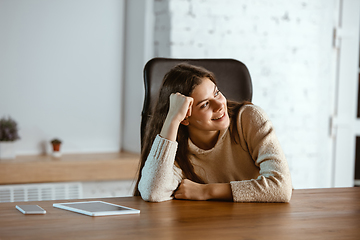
x=8, y=135
x=56, y=143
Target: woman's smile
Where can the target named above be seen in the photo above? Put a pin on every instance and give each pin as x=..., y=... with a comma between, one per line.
x=219, y=118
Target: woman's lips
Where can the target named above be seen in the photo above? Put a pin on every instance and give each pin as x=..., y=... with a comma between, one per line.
x=220, y=117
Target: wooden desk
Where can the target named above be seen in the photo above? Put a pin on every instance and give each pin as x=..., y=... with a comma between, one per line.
x=311, y=214
x=69, y=168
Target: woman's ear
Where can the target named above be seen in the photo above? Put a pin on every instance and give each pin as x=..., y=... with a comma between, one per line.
x=185, y=122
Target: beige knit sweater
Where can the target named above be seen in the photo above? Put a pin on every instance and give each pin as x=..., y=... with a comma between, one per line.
x=256, y=167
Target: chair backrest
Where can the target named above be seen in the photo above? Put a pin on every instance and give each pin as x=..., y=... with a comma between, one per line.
x=232, y=77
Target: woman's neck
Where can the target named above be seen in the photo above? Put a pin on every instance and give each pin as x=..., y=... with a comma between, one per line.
x=204, y=140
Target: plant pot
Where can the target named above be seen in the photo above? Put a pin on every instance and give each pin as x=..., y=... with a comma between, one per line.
x=56, y=149
x=7, y=150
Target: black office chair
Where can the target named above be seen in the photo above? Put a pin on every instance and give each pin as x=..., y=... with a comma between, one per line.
x=232, y=76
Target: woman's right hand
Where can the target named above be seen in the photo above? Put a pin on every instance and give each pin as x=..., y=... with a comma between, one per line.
x=180, y=107
x=179, y=110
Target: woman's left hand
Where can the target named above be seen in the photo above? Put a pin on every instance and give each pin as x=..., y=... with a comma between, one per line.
x=196, y=191
x=191, y=191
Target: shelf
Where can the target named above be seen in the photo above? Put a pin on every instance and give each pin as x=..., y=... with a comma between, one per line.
x=69, y=168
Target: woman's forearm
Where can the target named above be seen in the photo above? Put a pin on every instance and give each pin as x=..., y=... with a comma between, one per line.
x=157, y=187
x=219, y=191
x=169, y=129
x=196, y=191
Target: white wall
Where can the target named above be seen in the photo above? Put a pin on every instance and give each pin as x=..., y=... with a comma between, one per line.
x=287, y=46
x=61, y=72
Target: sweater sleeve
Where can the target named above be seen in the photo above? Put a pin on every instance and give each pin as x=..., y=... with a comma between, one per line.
x=159, y=176
x=257, y=136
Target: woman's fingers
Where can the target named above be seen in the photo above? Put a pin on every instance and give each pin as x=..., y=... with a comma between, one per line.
x=190, y=107
x=180, y=106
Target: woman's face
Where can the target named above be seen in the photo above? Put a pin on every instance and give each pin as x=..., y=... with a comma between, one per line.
x=209, y=110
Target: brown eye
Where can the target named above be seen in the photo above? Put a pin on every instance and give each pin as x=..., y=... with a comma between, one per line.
x=204, y=105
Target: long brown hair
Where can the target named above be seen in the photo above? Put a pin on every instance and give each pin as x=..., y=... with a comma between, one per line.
x=182, y=78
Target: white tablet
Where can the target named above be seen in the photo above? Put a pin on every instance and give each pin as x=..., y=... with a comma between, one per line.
x=96, y=208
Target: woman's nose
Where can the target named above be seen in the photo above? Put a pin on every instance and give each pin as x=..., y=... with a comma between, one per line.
x=218, y=106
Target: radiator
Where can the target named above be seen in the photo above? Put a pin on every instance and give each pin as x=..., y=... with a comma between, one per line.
x=40, y=192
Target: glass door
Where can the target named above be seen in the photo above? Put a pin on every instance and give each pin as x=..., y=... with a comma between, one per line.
x=345, y=124
x=357, y=153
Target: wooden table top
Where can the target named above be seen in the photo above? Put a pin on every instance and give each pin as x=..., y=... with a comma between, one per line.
x=332, y=213
x=69, y=168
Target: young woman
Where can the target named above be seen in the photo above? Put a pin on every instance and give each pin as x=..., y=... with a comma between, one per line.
x=199, y=146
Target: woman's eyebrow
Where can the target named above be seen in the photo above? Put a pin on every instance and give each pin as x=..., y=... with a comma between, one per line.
x=215, y=88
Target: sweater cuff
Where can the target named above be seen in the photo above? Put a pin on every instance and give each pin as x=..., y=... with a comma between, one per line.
x=243, y=191
x=163, y=149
